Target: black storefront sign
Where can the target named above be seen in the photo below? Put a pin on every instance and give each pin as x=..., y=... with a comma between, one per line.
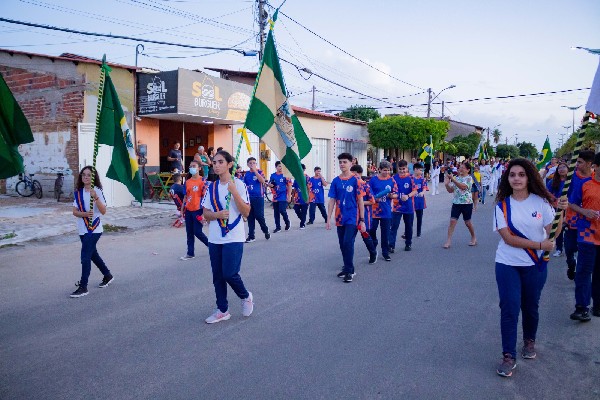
x=157, y=93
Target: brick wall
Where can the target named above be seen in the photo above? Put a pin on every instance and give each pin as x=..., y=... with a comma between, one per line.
x=53, y=105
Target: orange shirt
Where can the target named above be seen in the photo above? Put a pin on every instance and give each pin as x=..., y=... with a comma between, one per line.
x=194, y=192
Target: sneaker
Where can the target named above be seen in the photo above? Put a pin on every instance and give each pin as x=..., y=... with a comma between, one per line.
x=571, y=273
x=596, y=311
x=309, y=223
x=348, y=278
x=373, y=258
x=392, y=250
x=287, y=227
x=581, y=314
x=267, y=236
x=248, y=305
x=387, y=258
x=218, y=316
x=302, y=227
x=341, y=274
x=407, y=248
x=418, y=235
x=557, y=253
x=404, y=236
x=186, y=257
x=106, y=281
x=277, y=230
x=80, y=292
x=250, y=240
x=528, y=351
x=506, y=366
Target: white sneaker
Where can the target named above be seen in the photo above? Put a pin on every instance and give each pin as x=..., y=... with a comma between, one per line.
x=186, y=257
x=218, y=316
x=248, y=305
x=557, y=253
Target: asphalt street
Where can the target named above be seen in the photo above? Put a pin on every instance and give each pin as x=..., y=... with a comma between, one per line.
x=423, y=326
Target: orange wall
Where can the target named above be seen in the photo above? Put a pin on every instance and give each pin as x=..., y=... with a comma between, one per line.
x=147, y=131
x=222, y=137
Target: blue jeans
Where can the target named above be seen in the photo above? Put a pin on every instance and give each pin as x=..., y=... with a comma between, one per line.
x=385, y=234
x=301, y=210
x=89, y=254
x=560, y=239
x=570, y=244
x=368, y=241
x=484, y=189
x=587, y=275
x=311, y=211
x=408, y=228
x=257, y=213
x=225, y=261
x=280, y=208
x=346, y=236
x=419, y=215
x=519, y=288
x=193, y=227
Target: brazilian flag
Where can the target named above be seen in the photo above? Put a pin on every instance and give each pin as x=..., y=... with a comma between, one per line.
x=546, y=154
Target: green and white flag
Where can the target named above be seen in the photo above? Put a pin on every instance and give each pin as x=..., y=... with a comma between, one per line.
x=546, y=154
x=271, y=118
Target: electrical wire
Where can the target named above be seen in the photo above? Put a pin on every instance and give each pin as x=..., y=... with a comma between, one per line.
x=199, y=55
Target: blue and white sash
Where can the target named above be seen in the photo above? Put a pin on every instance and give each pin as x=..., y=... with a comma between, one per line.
x=226, y=227
x=89, y=224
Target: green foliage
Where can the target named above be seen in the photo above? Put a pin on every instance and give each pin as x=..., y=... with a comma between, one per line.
x=528, y=150
x=468, y=144
x=507, y=151
x=496, y=133
x=448, y=148
x=406, y=132
x=591, y=139
x=361, y=113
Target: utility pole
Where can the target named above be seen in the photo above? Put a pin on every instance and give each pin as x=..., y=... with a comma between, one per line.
x=313, y=103
x=442, y=109
x=428, y=102
x=262, y=24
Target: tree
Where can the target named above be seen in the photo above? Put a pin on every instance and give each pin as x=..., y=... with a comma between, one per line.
x=361, y=113
x=591, y=139
x=507, y=151
x=496, y=133
x=528, y=150
x=471, y=143
x=448, y=148
x=405, y=132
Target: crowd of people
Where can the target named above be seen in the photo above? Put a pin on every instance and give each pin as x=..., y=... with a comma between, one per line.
x=527, y=201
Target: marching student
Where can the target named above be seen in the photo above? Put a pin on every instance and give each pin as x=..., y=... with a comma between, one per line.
x=89, y=227
x=226, y=236
x=403, y=206
x=462, y=203
x=368, y=201
x=523, y=218
x=435, y=178
x=419, y=200
x=195, y=187
x=586, y=202
x=317, y=187
x=555, y=187
x=301, y=206
x=282, y=188
x=346, y=197
x=384, y=190
x=254, y=179
x=177, y=192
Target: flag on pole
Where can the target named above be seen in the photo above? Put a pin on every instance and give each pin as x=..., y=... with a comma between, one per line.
x=593, y=103
x=545, y=155
x=426, y=151
x=114, y=131
x=271, y=118
x=14, y=130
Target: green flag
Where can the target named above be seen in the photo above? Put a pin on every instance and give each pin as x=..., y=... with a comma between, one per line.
x=113, y=131
x=545, y=155
x=271, y=117
x=14, y=130
x=426, y=151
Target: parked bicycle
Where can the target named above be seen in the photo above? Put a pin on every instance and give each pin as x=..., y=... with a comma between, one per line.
x=27, y=186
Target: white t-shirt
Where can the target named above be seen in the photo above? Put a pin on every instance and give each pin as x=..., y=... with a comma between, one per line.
x=529, y=216
x=486, y=174
x=81, y=227
x=237, y=234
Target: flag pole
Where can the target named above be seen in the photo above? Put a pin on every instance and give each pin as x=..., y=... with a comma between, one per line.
x=578, y=145
x=98, y=111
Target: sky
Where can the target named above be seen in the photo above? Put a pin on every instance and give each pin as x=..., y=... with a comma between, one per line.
x=392, y=51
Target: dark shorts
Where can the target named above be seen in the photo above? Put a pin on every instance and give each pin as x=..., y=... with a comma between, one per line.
x=474, y=188
x=465, y=209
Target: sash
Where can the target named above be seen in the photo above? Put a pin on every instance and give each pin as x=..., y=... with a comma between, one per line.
x=213, y=192
x=90, y=225
x=541, y=262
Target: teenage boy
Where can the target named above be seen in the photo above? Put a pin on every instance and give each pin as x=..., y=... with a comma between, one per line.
x=583, y=173
x=177, y=192
x=421, y=185
x=301, y=206
x=384, y=190
x=587, y=273
x=194, y=192
x=403, y=206
x=346, y=196
x=368, y=201
x=254, y=179
x=317, y=187
x=282, y=187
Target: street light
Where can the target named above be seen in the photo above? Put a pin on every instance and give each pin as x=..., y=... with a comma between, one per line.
x=567, y=128
x=430, y=100
x=572, y=109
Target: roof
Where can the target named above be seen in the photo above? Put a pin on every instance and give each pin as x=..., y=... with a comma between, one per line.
x=307, y=111
x=244, y=74
x=75, y=58
x=458, y=128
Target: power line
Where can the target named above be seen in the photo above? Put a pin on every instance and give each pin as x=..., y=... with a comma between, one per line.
x=364, y=98
x=513, y=96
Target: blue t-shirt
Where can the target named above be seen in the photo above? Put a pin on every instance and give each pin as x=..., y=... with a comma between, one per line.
x=383, y=207
x=421, y=185
x=555, y=193
x=298, y=197
x=346, y=192
x=178, y=190
x=317, y=190
x=255, y=188
x=574, y=195
x=281, y=184
x=405, y=186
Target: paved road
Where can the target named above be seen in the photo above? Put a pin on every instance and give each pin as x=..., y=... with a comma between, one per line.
x=425, y=325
